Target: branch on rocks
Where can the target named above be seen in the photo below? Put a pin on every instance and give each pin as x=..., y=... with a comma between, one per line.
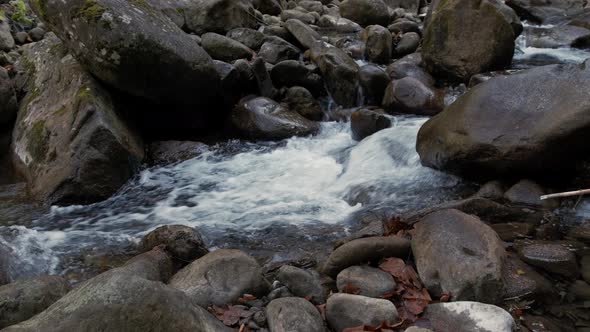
x=567, y=194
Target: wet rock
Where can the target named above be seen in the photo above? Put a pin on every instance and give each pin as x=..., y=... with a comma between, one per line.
x=221, y=277
x=547, y=12
x=219, y=16
x=369, y=281
x=346, y=310
x=8, y=104
x=291, y=73
x=365, y=122
x=300, y=15
x=24, y=299
x=224, y=48
x=71, y=146
x=409, y=95
x=279, y=31
x=365, y=12
x=37, y=34
x=6, y=39
x=253, y=39
x=373, y=81
x=492, y=190
x=378, y=44
x=510, y=231
x=458, y=254
x=169, y=152
x=263, y=118
x=339, y=24
x=469, y=317
x=360, y=251
x=302, y=283
x=407, y=44
x=262, y=78
x=181, y=242
x=305, y=35
x=270, y=7
x=448, y=52
x=340, y=72
x=129, y=297
x=293, y=314
x=312, y=6
x=109, y=39
x=300, y=100
x=553, y=258
x=403, y=26
x=409, y=66
x=580, y=290
x=529, y=193
x=476, y=136
x=523, y=282
x=275, y=50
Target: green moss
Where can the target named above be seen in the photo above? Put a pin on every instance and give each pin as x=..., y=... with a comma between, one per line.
x=2, y=15
x=39, y=8
x=38, y=141
x=91, y=10
x=20, y=12
x=60, y=111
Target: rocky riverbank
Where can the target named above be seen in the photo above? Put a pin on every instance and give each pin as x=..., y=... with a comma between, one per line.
x=97, y=96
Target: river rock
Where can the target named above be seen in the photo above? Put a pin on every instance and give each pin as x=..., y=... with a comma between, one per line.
x=408, y=44
x=169, y=152
x=68, y=140
x=458, y=254
x=302, y=283
x=369, y=281
x=346, y=310
x=547, y=12
x=270, y=7
x=221, y=277
x=528, y=193
x=402, y=26
x=557, y=37
x=365, y=12
x=294, y=314
x=409, y=66
x=131, y=297
x=181, y=242
x=585, y=268
x=339, y=24
x=276, y=49
x=219, y=16
x=291, y=73
x=300, y=100
x=224, y=48
x=412, y=96
x=6, y=39
x=109, y=38
x=448, y=52
x=365, y=122
x=263, y=118
x=553, y=258
x=299, y=14
x=360, y=251
x=475, y=136
x=8, y=104
x=523, y=282
x=305, y=35
x=253, y=39
x=340, y=72
x=378, y=44
x=469, y=317
x=4, y=264
x=373, y=81
x=410, y=6
x=24, y=299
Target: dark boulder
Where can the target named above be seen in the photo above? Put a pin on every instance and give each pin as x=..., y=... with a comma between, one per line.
x=8, y=104
x=378, y=44
x=365, y=12
x=409, y=95
x=303, y=33
x=219, y=16
x=408, y=44
x=224, y=48
x=181, y=242
x=365, y=122
x=276, y=49
x=291, y=73
x=373, y=81
x=253, y=39
x=300, y=100
x=294, y=314
x=169, y=152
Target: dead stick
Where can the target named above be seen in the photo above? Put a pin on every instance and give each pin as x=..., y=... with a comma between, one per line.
x=567, y=194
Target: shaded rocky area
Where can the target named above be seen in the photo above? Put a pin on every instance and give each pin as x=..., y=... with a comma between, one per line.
x=114, y=91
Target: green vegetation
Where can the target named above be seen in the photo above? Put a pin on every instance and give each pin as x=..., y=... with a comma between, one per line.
x=20, y=12
x=91, y=10
x=38, y=141
x=39, y=6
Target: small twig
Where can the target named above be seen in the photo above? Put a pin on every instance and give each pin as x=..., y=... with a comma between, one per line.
x=567, y=194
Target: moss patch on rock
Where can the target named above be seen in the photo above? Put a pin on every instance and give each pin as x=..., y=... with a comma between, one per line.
x=38, y=141
x=91, y=10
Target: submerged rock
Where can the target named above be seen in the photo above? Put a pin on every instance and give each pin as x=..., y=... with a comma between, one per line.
x=24, y=299
x=293, y=314
x=469, y=317
x=263, y=118
x=169, y=152
x=220, y=278
x=449, y=52
x=68, y=140
x=458, y=254
x=493, y=131
x=547, y=12
x=300, y=100
x=346, y=310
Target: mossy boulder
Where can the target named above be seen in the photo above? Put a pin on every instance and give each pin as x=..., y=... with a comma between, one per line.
x=68, y=140
x=219, y=16
x=134, y=47
x=467, y=37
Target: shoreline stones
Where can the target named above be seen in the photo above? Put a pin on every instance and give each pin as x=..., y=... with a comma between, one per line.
x=346, y=310
x=370, y=281
x=293, y=314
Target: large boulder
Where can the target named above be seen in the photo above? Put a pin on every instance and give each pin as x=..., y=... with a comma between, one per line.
x=24, y=299
x=219, y=16
x=365, y=12
x=365, y=122
x=294, y=314
x=469, y=317
x=263, y=118
x=135, y=48
x=493, y=130
x=378, y=44
x=458, y=254
x=68, y=140
x=221, y=277
x=129, y=298
x=450, y=52
x=412, y=96
x=181, y=242
x=340, y=72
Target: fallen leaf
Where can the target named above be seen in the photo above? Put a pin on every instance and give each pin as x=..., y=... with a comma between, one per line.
x=351, y=289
